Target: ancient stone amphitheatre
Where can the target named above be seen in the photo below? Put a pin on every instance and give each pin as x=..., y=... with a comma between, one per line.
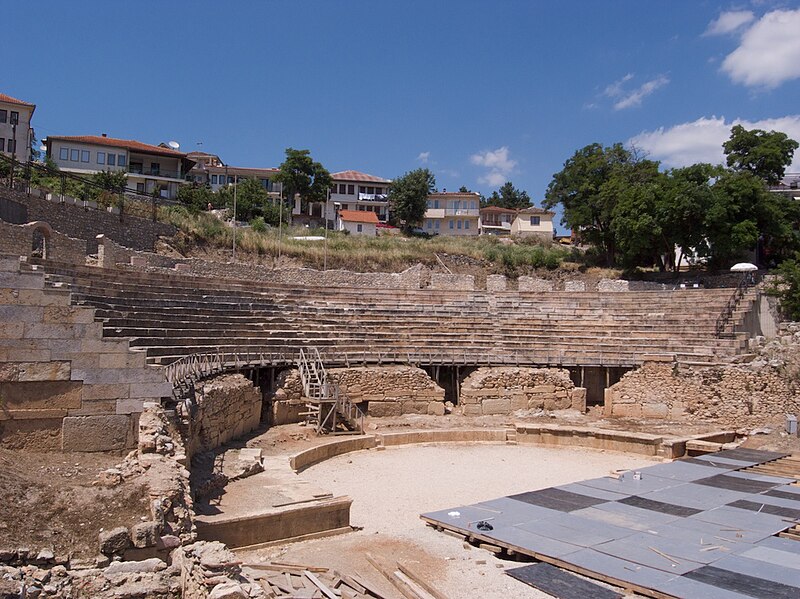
x=176, y=427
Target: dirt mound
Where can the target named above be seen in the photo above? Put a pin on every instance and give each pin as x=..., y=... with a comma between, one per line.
x=49, y=501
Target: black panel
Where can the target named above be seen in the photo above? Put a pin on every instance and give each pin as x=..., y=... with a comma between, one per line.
x=556, y=499
x=784, y=495
x=764, y=508
x=742, y=583
x=733, y=483
x=660, y=506
x=560, y=584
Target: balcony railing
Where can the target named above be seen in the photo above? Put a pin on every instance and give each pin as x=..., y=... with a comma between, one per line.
x=461, y=212
x=371, y=197
x=148, y=172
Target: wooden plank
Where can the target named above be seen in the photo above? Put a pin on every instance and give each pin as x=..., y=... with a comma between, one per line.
x=316, y=581
x=419, y=580
x=405, y=590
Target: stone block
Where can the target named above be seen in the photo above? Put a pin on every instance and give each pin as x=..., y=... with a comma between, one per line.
x=117, y=391
x=626, y=410
x=414, y=407
x=496, y=406
x=67, y=315
x=12, y=330
x=519, y=402
x=655, y=410
x=579, y=399
x=145, y=534
x=436, y=408
x=96, y=433
x=471, y=410
x=496, y=283
x=40, y=395
x=129, y=406
x=32, y=434
x=43, y=371
x=154, y=390
x=95, y=407
x=574, y=286
x=381, y=409
x=114, y=541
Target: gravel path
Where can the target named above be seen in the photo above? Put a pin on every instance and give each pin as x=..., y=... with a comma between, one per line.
x=391, y=488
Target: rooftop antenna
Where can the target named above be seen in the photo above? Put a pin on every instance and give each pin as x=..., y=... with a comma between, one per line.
x=174, y=145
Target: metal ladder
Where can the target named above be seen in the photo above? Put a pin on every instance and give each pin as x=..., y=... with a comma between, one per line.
x=328, y=409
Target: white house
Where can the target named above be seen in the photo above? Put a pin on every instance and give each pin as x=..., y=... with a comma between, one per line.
x=16, y=133
x=210, y=170
x=533, y=221
x=350, y=190
x=452, y=213
x=496, y=220
x=357, y=222
x=148, y=167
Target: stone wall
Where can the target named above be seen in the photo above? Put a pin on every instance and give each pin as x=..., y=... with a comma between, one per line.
x=228, y=406
x=496, y=283
x=534, y=284
x=111, y=255
x=452, y=282
x=62, y=385
x=735, y=395
x=132, y=232
x=504, y=390
x=287, y=402
x=612, y=285
x=18, y=240
x=391, y=390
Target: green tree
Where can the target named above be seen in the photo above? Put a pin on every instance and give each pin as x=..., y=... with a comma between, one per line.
x=301, y=175
x=764, y=154
x=787, y=288
x=196, y=197
x=251, y=198
x=408, y=197
x=587, y=189
x=508, y=196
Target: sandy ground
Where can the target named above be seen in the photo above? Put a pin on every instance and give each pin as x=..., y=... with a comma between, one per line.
x=391, y=488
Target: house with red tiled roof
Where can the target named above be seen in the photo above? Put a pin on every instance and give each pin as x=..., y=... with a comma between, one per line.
x=16, y=133
x=210, y=170
x=351, y=190
x=149, y=168
x=525, y=222
x=357, y=222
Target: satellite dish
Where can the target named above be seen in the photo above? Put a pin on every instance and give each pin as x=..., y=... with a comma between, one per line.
x=174, y=145
x=43, y=148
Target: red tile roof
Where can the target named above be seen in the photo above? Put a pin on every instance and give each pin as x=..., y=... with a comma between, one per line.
x=535, y=210
x=358, y=216
x=128, y=144
x=237, y=170
x=466, y=194
x=10, y=100
x=497, y=210
x=357, y=176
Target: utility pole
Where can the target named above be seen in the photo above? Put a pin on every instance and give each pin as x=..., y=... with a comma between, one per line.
x=280, y=223
x=14, y=121
x=235, y=189
x=325, y=220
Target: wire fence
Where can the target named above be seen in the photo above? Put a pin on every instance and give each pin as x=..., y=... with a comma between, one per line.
x=33, y=178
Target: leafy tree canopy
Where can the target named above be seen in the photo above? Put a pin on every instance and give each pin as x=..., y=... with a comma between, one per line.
x=301, y=175
x=196, y=197
x=508, y=196
x=764, y=154
x=251, y=198
x=408, y=197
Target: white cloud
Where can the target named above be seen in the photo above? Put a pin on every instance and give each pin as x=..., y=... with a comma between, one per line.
x=629, y=98
x=423, y=157
x=499, y=164
x=729, y=21
x=769, y=52
x=701, y=140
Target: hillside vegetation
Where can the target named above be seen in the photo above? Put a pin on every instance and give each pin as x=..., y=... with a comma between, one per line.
x=389, y=253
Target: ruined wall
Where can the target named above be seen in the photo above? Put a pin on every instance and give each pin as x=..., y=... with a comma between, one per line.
x=18, y=240
x=452, y=282
x=75, y=221
x=534, y=284
x=391, y=390
x=735, y=395
x=228, y=406
x=504, y=390
x=62, y=385
x=287, y=402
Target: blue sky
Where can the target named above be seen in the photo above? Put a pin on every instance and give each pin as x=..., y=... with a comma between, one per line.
x=480, y=92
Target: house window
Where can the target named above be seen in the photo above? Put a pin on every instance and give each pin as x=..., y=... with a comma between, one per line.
x=121, y=160
x=140, y=187
x=63, y=154
x=101, y=158
x=14, y=120
x=155, y=168
x=452, y=224
x=265, y=183
x=466, y=224
x=136, y=167
x=379, y=190
x=428, y=224
x=85, y=155
x=362, y=189
x=2, y=145
x=435, y=203
x=351, y=190
x=360, y=228
x=436, y=224
x=213, y=179
x=370, y=190
x=535, y=220
x=459, y=223
x=74, y=155
x=11, y=146
x=112, y=159
x=3, y=116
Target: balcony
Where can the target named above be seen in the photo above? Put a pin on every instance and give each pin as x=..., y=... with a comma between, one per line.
x=160, y=173
x=462, y=212
x=372, y=197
